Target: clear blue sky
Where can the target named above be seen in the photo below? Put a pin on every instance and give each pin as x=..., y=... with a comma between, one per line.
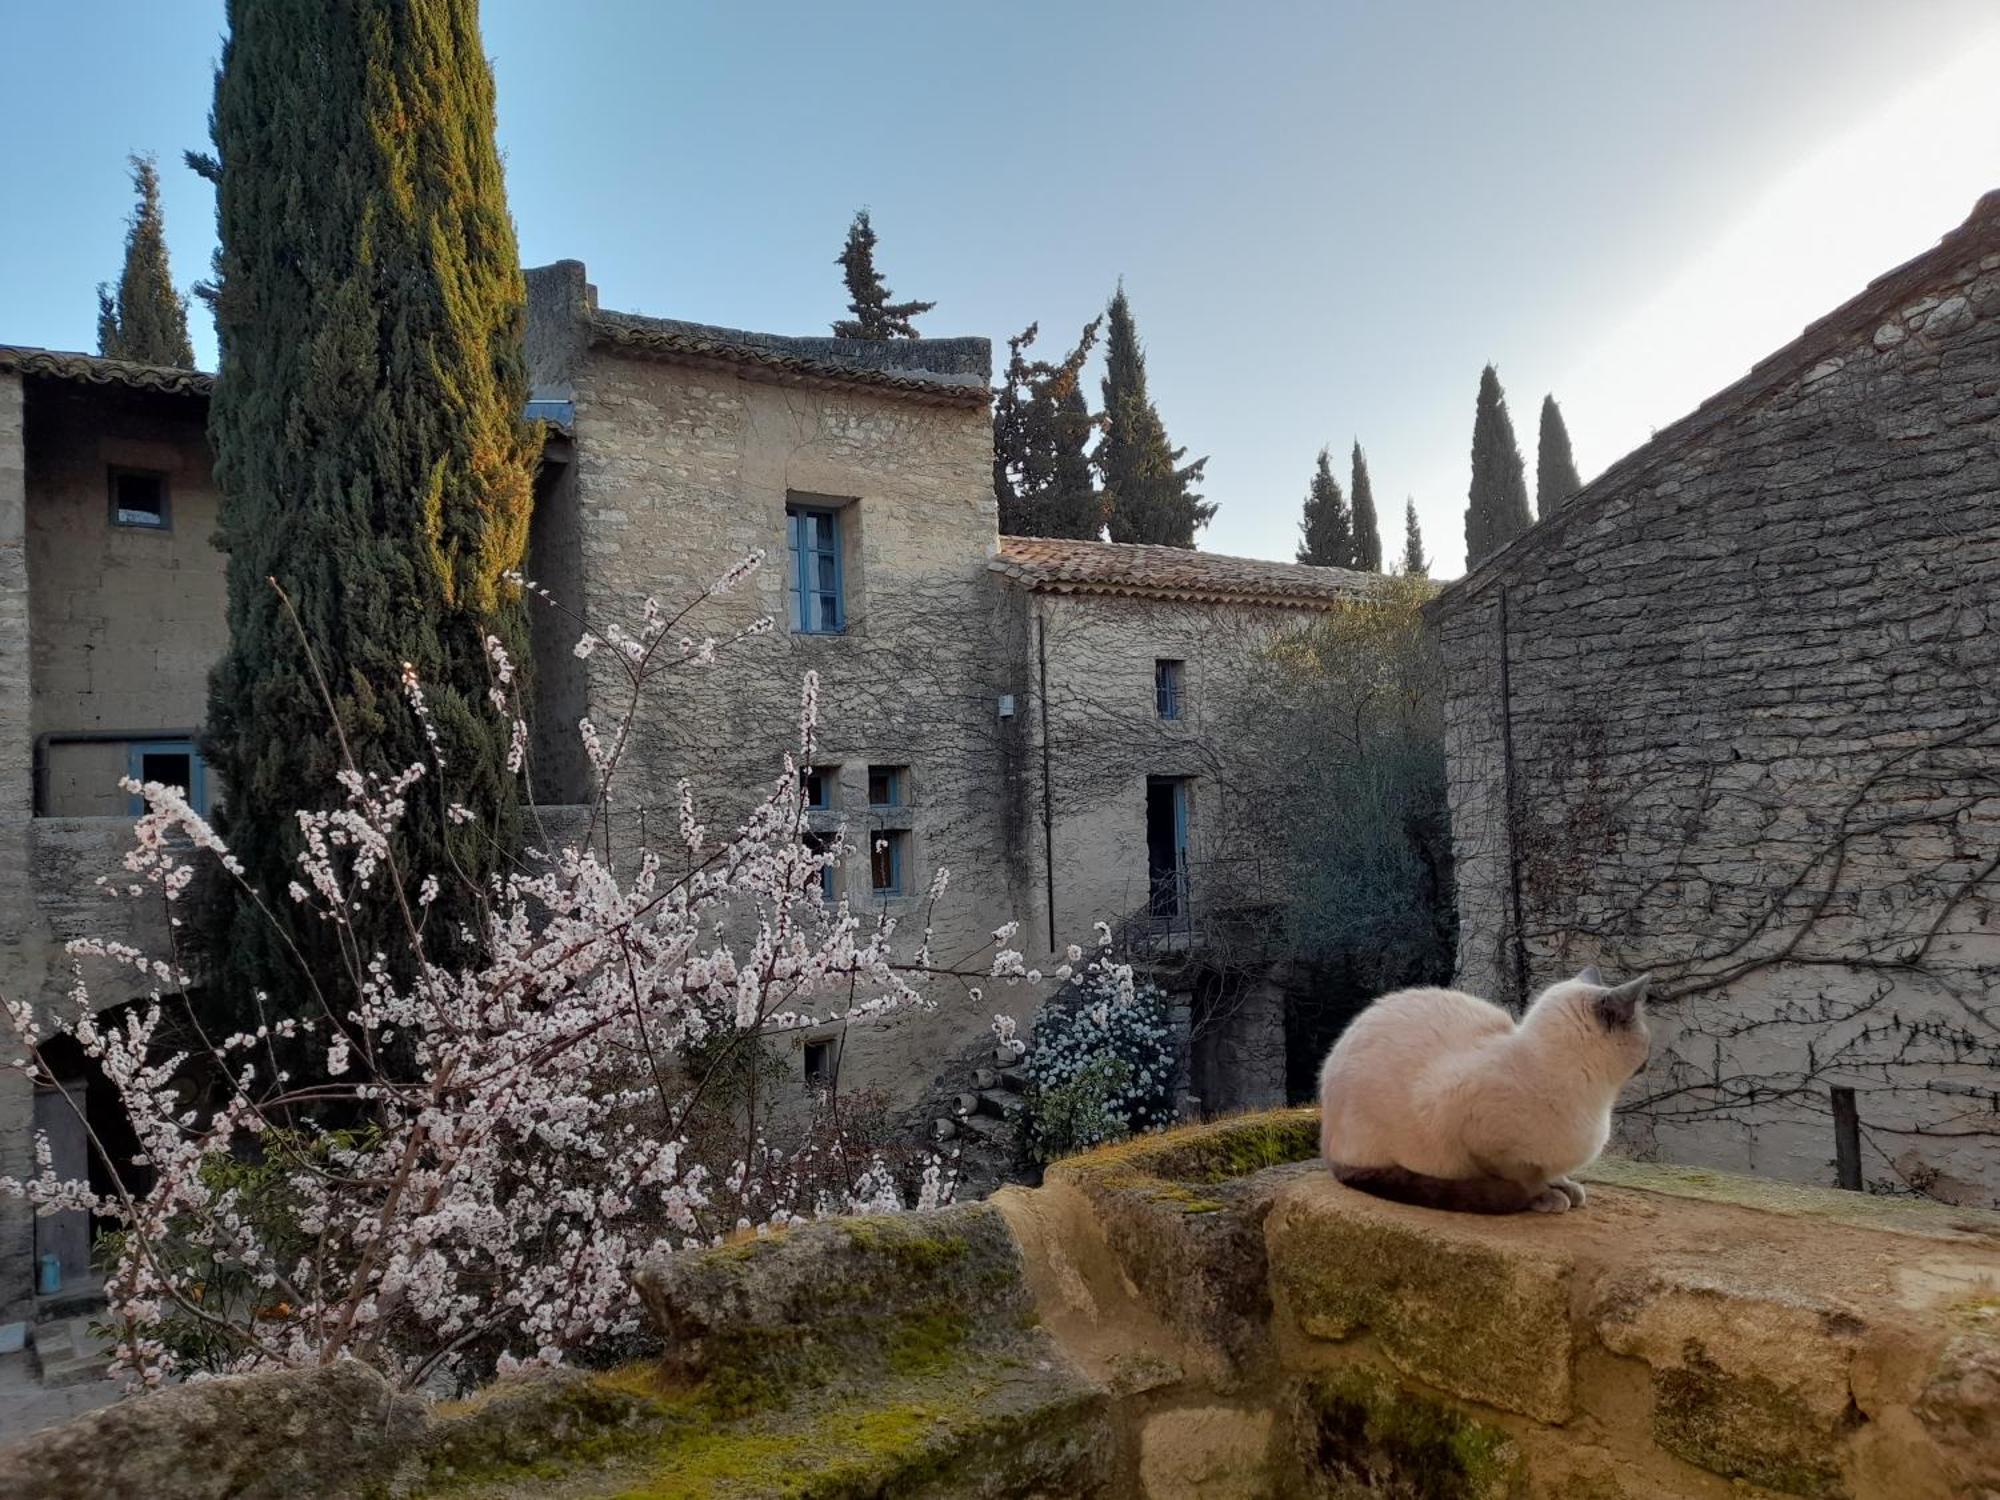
x=1328, y=216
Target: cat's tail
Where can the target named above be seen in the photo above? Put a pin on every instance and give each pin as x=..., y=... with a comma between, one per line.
x=1467, y=1195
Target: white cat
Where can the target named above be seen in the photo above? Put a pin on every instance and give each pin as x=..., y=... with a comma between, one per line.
x=1438, y=1098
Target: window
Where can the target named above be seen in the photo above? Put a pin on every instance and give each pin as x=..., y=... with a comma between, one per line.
x=817, y=784
x=888, y=860
x=139, y=500
x=819, y=1065
x=1167, y=687
x=822, y=844
x=1166, y=847
x=888, y=785
x=813, y=533
x=171, y=763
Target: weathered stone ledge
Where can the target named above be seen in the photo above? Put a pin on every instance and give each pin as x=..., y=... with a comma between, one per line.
x=1199, y=1314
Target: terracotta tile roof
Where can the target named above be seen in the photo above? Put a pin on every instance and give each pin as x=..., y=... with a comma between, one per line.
x=93, y=369
x=960, y=380
x=1056, y=565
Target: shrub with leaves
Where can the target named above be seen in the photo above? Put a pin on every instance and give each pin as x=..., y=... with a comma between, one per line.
x=1101, y=1064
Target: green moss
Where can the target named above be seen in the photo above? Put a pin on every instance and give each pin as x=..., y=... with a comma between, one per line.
x=1359, y=1433
x=1745, y=1427
x=913, y=1245
x=1481, y=1321
x=924, y=1345
x=1217, y=1152
x=1186, y=1199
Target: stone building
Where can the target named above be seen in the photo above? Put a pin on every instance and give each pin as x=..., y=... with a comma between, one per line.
x=1045, y=720
x=1733, y=715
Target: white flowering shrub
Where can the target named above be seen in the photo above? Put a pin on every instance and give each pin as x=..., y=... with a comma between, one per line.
x=1101, y=1063
x=487, y=1151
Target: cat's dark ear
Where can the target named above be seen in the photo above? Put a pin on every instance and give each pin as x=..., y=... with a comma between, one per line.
x=1590, y=976
x=1616, y=1007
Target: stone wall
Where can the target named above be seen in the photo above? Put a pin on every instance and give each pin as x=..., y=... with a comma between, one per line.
x=1106, y=740
x=1732, y=717
x=125, y=621
x=1196, y=1316
x=101, y=629
x=682, y=471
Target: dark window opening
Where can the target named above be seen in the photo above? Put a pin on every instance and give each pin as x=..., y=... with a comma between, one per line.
x=822, y=844
x=817, y=784
x=139, y=499
x=174, y=763
x=819, y=1065
x=1166, y=847
x=886, y=785
x=887, y=858
x=1167, y=677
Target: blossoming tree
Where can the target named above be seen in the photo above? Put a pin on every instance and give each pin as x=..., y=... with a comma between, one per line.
x=482, y=1154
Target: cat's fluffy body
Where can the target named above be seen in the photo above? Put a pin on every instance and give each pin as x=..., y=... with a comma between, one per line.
x=1437, y=1097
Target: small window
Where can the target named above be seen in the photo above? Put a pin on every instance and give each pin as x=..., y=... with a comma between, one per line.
x=888, y=860
x=814, y=536
x=826, y=873
x=819, y=1065
x=139, y=500
x=817, y=785
x=1167, y=687
x=888, y=785
x=173, y=763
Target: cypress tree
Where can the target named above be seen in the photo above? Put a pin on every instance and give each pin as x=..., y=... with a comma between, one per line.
x=1497, y=504
x=1414, y=563
x=1149, y=494
x=147, y=319
x=1326, y=531
x=875, y=318
x=1367, y=533
x=1042, y=477
x=371, y=455
x=1556, y=478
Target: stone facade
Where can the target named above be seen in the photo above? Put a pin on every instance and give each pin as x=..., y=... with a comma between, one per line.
x=106, y=636
x=675, y=450
x=1732, y=716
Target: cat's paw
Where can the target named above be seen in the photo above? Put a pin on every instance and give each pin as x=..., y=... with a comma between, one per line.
x=1550, y=1200
x=1571, y=1190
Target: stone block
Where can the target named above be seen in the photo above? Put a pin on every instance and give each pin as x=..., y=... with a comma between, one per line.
x=337, y=1430
x=1750, y=1380
x=1206, y=1453
x=1479, y=1314
x=1960, y=1409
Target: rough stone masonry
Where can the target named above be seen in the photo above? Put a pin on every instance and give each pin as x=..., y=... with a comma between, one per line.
x=1734, y=716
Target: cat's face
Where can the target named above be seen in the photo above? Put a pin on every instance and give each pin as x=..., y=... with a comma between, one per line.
x=1619, y=1013
x=1615, y=1015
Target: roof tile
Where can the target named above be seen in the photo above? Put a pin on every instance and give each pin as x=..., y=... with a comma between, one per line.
x=1059, y=565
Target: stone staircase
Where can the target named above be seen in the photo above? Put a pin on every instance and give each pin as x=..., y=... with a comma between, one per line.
x=978, y=1113
x=67, y=1353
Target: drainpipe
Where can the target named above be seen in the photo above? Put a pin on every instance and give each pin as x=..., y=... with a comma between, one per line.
x=1511, y=790
x=1048, y=780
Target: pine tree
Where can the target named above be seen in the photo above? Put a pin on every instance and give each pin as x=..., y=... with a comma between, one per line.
x=371, y=456
x=1367, y=533
x=147, y=319
x=1556, y=478
x=1149, y=495
x=875, y=318
x=1326, y=530
x=1042, y=477
x=1414, y=563
x=1497, y=504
